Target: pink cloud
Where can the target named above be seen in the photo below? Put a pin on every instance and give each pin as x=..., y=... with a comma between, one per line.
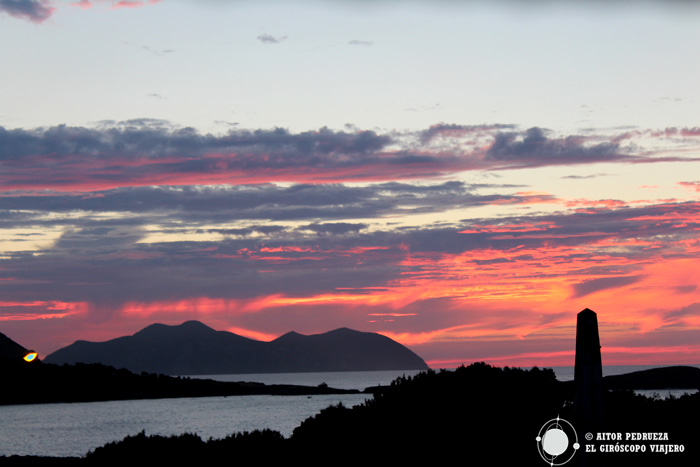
x=133, y=3
x=86, y=4
x=695, y=186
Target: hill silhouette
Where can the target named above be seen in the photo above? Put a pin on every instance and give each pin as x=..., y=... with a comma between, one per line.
x=193, y=348
x=671, y=377
x=9, y=349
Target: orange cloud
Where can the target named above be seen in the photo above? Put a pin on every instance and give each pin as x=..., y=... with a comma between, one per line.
x=35, y=310
x=198, y=305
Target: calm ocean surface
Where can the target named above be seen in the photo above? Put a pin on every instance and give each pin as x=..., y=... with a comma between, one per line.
x=74, y=429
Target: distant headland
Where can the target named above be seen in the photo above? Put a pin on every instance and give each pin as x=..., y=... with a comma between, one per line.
x=192, y=348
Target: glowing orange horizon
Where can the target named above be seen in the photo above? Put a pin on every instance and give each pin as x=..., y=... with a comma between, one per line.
x=532, y=280
x=529, y=279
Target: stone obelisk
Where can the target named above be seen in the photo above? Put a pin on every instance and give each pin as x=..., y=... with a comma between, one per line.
x=588, y=373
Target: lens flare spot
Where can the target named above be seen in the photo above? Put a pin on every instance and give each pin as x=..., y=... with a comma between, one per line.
x=30, y=357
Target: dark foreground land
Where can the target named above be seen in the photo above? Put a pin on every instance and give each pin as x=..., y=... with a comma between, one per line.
x=477, y=415
x=45, y=383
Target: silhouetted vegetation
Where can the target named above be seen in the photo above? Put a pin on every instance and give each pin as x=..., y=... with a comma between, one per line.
x=479, y=408
x=478, y=412
x=676, y=417
x=189, y=448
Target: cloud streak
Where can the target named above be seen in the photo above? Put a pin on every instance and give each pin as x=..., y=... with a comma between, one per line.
x=535, y=149
x=38, y=11
x=152, y=152
x=268, y=39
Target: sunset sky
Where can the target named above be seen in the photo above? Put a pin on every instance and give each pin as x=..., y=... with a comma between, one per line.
x=461, y=176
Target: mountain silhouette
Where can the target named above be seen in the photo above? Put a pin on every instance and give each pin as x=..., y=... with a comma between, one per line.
x=10, y=349
x=193, y=348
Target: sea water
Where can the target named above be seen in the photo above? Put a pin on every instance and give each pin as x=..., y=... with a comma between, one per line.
x=567, y=374
x=64, y=430
x=73, y=429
